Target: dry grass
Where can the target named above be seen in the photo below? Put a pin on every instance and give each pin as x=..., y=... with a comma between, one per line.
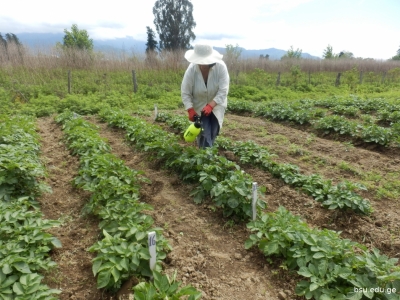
x=53, y=58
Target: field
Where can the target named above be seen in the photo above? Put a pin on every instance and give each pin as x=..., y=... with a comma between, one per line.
x=85, y=174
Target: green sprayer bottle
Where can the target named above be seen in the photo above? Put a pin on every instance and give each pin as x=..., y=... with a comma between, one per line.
x=193, y=130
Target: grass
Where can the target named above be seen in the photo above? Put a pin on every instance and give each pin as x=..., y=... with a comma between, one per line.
x=345, y=166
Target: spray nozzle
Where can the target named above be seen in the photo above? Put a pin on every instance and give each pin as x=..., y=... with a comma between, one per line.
x=197, y=121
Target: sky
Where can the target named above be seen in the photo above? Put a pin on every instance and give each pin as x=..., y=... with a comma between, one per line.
x=367, y=28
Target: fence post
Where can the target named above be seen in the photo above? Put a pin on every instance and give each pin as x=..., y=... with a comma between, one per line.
x=383, y=77
x=361, y=77
x=237, y=75
x=69, y=81
x=337, y=82
x=278, y=79
x=309, y=77
x=134, y=81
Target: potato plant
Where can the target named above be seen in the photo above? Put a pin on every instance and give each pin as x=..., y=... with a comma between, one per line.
x=24, y=242
x=222, y=180
x=123, y=250
x=333, y=268
x=341, y=196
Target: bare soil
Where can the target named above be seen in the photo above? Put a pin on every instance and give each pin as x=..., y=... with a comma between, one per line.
x=208, y=250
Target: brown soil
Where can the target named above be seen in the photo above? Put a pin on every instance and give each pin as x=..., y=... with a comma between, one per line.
x=78, y=232
x=208, y=250
x=316, y=155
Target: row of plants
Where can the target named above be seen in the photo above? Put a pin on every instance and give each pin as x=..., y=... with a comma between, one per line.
x=334, y=268
x=364, y=105
x=341, y=196
x=24, y=242
x=47, y=104
x=227, y=185
x=304, y=113
x=115, y=198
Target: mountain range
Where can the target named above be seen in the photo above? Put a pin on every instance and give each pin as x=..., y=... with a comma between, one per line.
x=35, y=40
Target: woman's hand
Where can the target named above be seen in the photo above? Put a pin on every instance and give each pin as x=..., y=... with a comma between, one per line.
x=192, y=113
x=207, y=110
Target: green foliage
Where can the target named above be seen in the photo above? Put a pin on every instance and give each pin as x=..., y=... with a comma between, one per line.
x=77, y=38
x=164, y=287
x=342, y=196
x=376, y=134
x=232, y=54
x=115, y=199
x=328, y=53
x=222, y=180
x=174, y=23
x=334, y=267
x=337, y=124
x=291, y=53
x=24, y=242
x=20, y=167
x=28, y=286
x=151, y=45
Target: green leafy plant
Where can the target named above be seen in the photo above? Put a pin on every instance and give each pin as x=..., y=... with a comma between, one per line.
x=333, y=267
x=115, y=195
x=219, y=178
x=164, y=287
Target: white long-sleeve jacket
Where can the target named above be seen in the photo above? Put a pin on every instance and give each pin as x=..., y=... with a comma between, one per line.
x=196, y=94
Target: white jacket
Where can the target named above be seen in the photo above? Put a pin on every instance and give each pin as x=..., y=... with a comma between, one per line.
x=196, y=94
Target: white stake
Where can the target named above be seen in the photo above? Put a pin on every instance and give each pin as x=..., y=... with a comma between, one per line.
x=254, y=203
x=152, y=249
x=155, y=112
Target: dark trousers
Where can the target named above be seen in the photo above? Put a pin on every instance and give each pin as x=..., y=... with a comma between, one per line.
x=210, y=131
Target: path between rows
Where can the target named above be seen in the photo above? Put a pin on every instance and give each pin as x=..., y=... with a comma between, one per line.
x=208, y=251
x=73, y=276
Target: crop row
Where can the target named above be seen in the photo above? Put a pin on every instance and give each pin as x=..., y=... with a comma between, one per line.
x=334, y=268
x=304, y=113
x=115, y=199
x=24, y=242
x=341, y=196
x=219, y=178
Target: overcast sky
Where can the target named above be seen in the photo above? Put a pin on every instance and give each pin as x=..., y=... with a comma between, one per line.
x=367, y=28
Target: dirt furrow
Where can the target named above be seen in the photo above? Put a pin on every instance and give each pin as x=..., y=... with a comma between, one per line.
x=73, y=275
x=380, y=230
x=208, y=250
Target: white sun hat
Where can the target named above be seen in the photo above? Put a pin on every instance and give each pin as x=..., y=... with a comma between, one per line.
x=203, y=54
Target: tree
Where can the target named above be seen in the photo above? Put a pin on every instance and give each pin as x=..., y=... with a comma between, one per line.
x=291, y=53
x=328, y=53
x=233, y=52
x=78, y=39
x=174, y=23
x=397, y=57
x=151, y=45
x=3, y=48
x=9, y=43
x=3, y=43
x=346, y=54
x=264, y=57
x=13, y=39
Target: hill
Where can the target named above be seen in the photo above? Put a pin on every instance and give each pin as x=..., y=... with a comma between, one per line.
x=130, y=44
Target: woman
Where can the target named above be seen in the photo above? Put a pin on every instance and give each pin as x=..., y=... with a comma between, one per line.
x=204, y=91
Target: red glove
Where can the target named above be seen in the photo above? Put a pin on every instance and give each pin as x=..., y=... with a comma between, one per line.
x=192, y=113
x=207, y=109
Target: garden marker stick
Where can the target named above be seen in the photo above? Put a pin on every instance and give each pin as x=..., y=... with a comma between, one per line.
x=155, y=112
x=152, y=249
x=254, y=203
